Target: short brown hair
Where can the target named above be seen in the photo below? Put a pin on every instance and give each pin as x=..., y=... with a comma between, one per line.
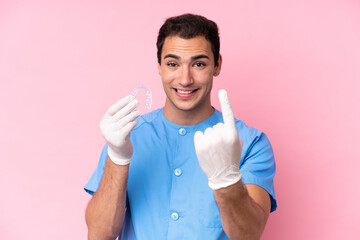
x=189, y=26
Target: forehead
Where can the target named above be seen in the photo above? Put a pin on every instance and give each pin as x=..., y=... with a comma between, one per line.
x=186, y=47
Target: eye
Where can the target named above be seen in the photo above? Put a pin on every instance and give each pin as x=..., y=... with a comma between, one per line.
x=171, y=64
x=199, y=64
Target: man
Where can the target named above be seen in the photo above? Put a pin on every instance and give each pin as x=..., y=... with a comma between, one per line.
x=186, y=171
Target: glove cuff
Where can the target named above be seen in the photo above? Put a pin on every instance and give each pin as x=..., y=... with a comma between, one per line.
x=116, y=159
x=222, y=183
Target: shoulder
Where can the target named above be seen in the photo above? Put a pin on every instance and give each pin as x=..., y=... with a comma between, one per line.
x=246, y=132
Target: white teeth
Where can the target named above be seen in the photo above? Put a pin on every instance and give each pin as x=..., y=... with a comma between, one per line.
x=184, y=92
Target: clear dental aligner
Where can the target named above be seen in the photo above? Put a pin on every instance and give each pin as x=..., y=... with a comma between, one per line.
x=148, y=100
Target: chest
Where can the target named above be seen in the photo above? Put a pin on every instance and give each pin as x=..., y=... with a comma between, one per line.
x=166, y=181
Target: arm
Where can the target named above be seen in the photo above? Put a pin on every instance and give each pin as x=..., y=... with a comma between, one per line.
x=106, y=210
x=244, y=210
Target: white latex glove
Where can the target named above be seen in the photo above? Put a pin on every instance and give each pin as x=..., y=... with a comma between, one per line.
x=116, y=125
x=219, y=148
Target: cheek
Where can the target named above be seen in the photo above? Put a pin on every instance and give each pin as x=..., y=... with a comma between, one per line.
x=203, y=76
x=168, y=76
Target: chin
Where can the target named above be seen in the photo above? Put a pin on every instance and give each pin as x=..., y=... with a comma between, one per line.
x=187, y=106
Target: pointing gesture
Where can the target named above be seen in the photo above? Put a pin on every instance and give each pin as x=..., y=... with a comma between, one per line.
x=226, y=110
x=219, y=148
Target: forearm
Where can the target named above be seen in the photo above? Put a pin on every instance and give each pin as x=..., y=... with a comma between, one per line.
x=106, y=210
x=241, y=217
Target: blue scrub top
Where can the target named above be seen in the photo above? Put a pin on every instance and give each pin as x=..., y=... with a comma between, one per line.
x=168, y=196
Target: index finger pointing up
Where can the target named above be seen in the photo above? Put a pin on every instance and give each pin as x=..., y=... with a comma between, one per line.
x=227, y=112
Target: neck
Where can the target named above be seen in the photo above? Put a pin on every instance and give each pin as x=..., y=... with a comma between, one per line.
x=187, y=117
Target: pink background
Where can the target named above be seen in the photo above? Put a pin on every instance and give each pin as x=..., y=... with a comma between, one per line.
x=291, y=68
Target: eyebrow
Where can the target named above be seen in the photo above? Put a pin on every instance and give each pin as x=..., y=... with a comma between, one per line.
x=192, y=58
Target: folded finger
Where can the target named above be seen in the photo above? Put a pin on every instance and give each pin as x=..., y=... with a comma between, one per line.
x=129, y=118
x=128, y=108
x=128, y=127
x=119, y=105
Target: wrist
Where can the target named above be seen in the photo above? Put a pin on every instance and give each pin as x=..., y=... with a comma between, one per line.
x=118, y=160
x=224, y=181
x=230, y=192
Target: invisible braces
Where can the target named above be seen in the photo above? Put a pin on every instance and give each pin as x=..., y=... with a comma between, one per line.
x=148, y=100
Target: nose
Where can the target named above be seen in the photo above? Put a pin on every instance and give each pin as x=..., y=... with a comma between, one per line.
x=186, y=78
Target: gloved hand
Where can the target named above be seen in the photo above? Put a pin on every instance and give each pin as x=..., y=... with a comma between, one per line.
x=219, y=148
x=116, y=126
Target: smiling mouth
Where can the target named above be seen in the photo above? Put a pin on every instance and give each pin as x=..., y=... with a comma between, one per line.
x=185, y=91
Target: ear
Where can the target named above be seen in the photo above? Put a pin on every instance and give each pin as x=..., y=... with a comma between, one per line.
x=218, y=66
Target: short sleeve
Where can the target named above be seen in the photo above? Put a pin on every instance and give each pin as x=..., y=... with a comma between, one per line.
x=258, y=165
x=94, y=182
